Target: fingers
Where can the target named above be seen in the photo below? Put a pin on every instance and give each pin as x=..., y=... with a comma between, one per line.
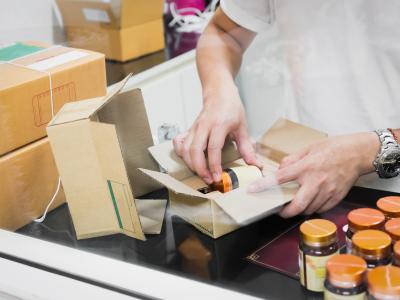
x=186, y=150
x=197, y=156
x=332, y=202
x=246, y=147
x=178, y=143
x=291, y=173
x=321, y=198
x=262, y=184
x=305, y=195
x=215, y=145
x=290, y=159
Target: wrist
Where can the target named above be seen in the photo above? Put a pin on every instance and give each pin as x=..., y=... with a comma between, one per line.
x=369, y=149
x=213, y=88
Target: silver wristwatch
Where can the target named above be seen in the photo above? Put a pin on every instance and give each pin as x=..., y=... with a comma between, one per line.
x=387, y=162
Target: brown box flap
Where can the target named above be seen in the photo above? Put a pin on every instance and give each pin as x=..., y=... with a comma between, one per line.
x=286, y=137
x=79, y=110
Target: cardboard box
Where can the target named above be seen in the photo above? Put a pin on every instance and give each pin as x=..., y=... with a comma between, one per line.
x=28, y=179
x=121, y=29
x=25, y=93
x=216, y=214
x=112, y=14
x=119, y=44
x=98, y=145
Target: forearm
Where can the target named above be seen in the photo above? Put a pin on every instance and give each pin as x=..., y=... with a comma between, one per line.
x=219, y=53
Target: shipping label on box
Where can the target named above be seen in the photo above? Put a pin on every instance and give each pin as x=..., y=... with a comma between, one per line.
x=98, y=146
x=215, y=213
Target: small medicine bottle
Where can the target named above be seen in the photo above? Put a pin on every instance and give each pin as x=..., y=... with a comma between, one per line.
x=345, y=274
x=318, y=243
x=362, y=219
x=390, y=206
x=384, y=283
x=233, y=178
x=392, y=227
x=374, y=246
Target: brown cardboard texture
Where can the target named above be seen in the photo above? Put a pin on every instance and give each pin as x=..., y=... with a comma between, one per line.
x=121, y=29
x=98, y=145
x=216, y=214
x=28, y=179
x=112, y=14
x=25, y=93
x=119, y=44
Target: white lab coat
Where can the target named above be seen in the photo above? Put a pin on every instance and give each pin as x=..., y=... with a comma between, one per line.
x=343, y=57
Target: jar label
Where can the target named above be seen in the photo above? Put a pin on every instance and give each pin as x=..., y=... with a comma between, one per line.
x=331, y=296
x=313, y=271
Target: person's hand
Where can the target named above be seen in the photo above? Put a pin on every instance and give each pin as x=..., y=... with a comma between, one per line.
x=325, y=171
x=222, y=115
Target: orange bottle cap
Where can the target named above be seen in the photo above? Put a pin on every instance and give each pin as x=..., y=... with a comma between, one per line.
x=371, y=243
x=390, y=206
x=318, y=232
x=392, y=227
x=384, y=281
x=365, y=218
x=346, y=270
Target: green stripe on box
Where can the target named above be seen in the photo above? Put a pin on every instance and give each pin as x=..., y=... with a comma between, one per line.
x=17, y=50
x=115, y=203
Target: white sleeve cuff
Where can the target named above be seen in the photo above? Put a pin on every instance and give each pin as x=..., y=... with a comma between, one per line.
x=245, y=18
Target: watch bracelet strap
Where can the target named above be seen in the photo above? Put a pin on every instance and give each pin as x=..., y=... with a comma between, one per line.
x=387, y=140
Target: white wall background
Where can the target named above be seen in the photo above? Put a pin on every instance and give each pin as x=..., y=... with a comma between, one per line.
x=27, y=20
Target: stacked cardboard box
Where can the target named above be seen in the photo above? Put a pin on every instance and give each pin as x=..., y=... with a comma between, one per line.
x=121, y=29
x=36, y=80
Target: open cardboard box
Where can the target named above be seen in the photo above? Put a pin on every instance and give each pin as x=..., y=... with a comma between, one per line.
x=215, y=213
x=98, y=145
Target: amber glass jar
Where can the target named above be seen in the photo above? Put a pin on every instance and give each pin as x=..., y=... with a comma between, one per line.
x=362, y=219
x=390, y=206
x=374, y=246
x=318, y=243
x=392, y=227
x=345, y=274
x=384, y=283
x=235, y=177
x=396, y=254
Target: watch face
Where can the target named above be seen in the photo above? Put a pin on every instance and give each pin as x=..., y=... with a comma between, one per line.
x=390, y=163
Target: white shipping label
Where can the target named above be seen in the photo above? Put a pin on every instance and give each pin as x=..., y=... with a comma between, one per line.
x=58, y=60
x=96, y=15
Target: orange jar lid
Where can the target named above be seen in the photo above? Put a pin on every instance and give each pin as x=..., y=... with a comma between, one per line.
x=365, y=218
x=390, y=206
x=392, y=227
x=371, y=242
x=346, y=270
x=318, y=232
x=225, y=185
x=384, y=281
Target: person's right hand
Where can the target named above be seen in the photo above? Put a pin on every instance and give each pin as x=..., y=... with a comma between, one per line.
x=222, y=115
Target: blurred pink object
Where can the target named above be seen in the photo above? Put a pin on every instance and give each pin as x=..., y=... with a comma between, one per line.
x=182, y=5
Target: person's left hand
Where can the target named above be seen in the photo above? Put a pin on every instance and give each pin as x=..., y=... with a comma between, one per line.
x=325, y=171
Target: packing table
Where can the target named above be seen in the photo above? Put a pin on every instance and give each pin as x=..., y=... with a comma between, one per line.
x=182, y=250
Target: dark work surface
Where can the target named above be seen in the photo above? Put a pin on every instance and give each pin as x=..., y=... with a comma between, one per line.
x=219, y=262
